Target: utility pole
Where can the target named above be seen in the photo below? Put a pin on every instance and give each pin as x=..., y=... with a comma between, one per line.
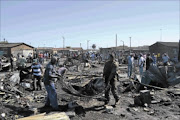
x=116, y=40
x=179, y=52
x=123, y=44
x=80, y=45
x=63, y=41
x=88, y=44
x=130, y=44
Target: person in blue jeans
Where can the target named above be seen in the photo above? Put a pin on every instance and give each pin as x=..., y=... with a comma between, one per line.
x=141, y=64
x=130, y=64
x=49, y=78
x=154, y=59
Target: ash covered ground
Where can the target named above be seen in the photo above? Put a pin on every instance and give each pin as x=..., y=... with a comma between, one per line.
x=80, y=102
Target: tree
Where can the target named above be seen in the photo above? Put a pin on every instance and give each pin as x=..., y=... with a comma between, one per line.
x=94, y=46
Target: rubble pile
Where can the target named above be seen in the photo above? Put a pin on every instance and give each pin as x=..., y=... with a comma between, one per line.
x=157, y=76
x=81, y=95
x=16, y=101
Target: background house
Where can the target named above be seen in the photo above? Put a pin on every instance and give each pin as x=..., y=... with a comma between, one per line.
x=159, y=48
x=140, y=49
x=67, y=51
x=7, y=49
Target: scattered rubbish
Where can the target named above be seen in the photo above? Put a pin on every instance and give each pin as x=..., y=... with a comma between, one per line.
x=135, y=109
x=87, y=87
x=71, y=114
x=145, y=97
x=109, y=109
x=154, y=102
x=146, y=109
x=3, y=114
x=26, y=85
x=44, y=116
x=14, y=79
x=151, y=113
x=72, y=105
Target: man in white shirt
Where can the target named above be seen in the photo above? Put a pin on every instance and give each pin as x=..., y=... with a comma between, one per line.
x=141, y=64
x=130, y=64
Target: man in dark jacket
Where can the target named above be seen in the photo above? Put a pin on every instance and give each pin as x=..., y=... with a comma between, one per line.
x=148, y=61
x=49, y=78
x=109, y=74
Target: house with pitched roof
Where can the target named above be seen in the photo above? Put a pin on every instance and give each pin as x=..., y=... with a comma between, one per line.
x=6, y=49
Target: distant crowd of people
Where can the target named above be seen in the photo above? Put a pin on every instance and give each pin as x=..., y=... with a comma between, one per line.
x=145, y=61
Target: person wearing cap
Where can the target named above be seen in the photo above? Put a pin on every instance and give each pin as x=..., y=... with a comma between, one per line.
x=130, y=64
x=50, y=77
x=37, y=74
x=109, y=73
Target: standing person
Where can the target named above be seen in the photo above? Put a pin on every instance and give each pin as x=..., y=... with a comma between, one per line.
x=109, y=73
x=22, y=64
x=154, y=59
x=148, y=61
x=45, y=56
x=141, y=64
x=130, y=64
x=165, y=59
x=41, y=58
x=92, y=56
x=135, y=62
x=12, y=61
x=30, y=56
x=49, y=79
x=37, y=74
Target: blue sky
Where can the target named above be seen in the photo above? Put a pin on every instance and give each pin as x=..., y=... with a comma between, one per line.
x=44, y=22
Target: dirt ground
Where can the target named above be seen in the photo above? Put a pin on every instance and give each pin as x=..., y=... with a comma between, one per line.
x=165, y=104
